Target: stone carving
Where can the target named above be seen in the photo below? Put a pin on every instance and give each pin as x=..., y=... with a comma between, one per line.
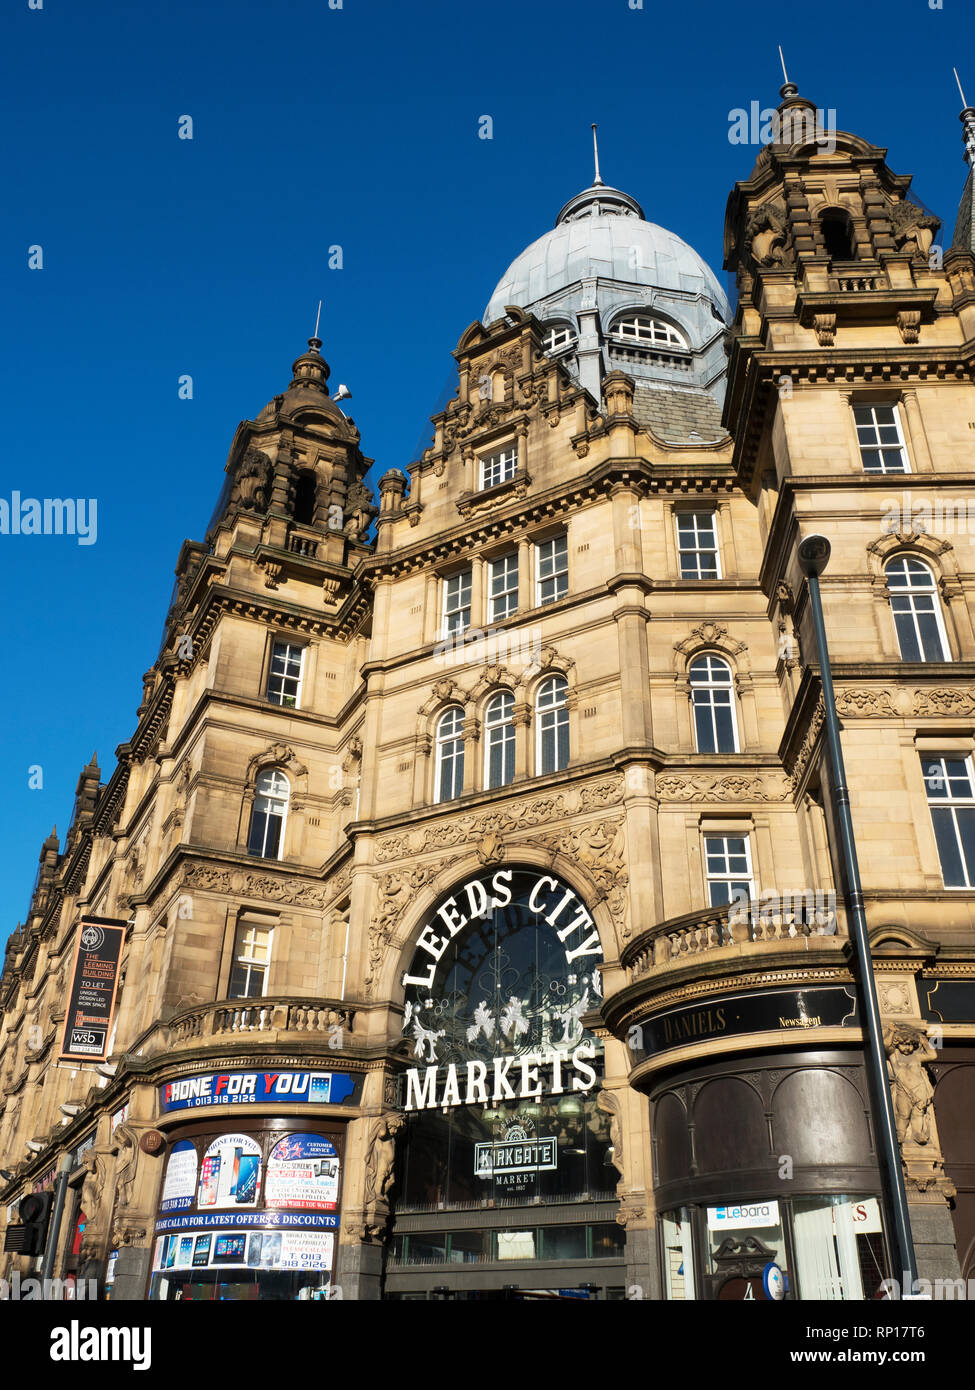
x=469, y=829
x=379, y=1175
x=765, y=235
x=864, y=702
x=944, y=700
x=731, y=787
x=808, y=744
x=824, y=326
x=490, y=849
x=280, y=890
x=710, y=634
x=361, y=510
x=907, y=1051
x=600, y=848
x=272, y=573
x=330, y=591
x=909, y=325
x=914, y=229
x=396, y=891
x=250, y=491
x=608, y=1102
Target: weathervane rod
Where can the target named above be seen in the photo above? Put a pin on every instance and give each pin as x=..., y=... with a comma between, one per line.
x=318, y=317
x=958, y=80
x=595, y=151
x=782, y=61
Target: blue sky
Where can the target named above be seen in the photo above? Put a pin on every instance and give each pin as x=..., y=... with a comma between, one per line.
x=316, y=127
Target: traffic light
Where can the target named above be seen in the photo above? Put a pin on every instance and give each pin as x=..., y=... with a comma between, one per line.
x=35, y=1214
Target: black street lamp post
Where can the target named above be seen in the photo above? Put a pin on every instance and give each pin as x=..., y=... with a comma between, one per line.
x=813, y=557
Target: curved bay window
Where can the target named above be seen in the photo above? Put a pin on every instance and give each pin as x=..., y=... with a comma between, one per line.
x=450, y=755
x=500, y=1094
x=712, y=696
x=266, y=838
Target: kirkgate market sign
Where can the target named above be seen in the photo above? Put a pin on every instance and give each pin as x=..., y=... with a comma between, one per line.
x=502, y=973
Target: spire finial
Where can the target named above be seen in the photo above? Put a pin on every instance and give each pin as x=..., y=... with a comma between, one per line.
x=595, y=151
x=961, y=93
x=318, y=317
x=788, y=89
x=785, y=75
x=967, y=119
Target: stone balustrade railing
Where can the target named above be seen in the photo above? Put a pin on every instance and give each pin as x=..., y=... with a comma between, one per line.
x=711, y=928
x=228, y=1017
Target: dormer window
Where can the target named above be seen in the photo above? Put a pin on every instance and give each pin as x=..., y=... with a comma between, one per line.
x=558, y=336
x=639, y=329
x=499, y=467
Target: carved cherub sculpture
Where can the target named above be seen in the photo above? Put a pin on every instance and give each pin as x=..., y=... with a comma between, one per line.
x=908, y=1050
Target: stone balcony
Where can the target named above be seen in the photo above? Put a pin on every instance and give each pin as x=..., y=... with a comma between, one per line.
x=711, y=929
x=323, y=1021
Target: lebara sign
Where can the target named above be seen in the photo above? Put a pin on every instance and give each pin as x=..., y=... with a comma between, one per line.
x=256, y=1088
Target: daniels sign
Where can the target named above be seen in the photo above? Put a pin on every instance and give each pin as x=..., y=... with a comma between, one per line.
x=504, y=969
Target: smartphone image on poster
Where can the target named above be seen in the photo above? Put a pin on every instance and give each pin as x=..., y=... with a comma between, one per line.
x=201, y=1252
x=320, y=1088
x=247, y=1166
x=209, y=1176
x=235, y=1175
x=171, y=1251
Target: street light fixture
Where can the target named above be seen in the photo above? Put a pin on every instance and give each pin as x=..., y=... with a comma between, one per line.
x=813, y=555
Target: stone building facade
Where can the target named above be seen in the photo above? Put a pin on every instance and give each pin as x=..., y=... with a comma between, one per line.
x=473, y=852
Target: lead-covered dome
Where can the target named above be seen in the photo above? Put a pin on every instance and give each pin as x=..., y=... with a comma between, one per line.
x=616, y=292
x=604, y=237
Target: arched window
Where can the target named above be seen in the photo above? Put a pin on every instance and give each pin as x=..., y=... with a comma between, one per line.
x=557, y=336
x=450, y=755
x=637, y=328
x=838, y=235
x=712, y=695
x=917, y=612
x=552, y=750
x=499, y=742
x=266, y=837
x=305, y=488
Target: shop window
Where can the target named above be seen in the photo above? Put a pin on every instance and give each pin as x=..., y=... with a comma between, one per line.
x=284, y=678
x=503, y=587
x=450, y=755
x=951, y=798
x=252, y=955
x=838, y=1243
x=564, y=1243
x=552, y=558
x=882, y=448
x=697, y=545
x=678, y=1247
x=552, y=724
x=266, y=838
x=713, y=701
x=499, y=740
x=729, y=869
x=917, y=610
